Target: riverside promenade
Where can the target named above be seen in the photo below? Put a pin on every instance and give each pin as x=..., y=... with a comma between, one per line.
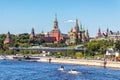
x=98, y=63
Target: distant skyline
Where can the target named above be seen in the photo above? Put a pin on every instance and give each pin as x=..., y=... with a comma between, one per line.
x=20, y=16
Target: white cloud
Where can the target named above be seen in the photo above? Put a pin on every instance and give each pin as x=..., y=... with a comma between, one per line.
x=69, y=21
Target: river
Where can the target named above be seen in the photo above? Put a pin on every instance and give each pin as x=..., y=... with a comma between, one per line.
x=18, y=70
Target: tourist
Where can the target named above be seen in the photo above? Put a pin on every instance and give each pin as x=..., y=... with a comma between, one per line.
x=50, y=60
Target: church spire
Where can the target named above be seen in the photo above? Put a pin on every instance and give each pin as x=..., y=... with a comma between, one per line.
x=77, y=26
x=80, y=26
x=32, y=32
x=87, y=34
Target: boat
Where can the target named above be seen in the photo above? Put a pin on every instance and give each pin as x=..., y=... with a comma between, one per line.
x=26, y=58
x=61, y=68
x=73, y=71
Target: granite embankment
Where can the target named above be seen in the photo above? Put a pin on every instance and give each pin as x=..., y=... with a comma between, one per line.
x=100, y=63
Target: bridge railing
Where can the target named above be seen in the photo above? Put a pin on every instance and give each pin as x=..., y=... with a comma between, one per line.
x=46, y=49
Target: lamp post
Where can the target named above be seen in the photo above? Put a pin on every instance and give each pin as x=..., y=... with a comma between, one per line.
x=84, y=49
x=84, y=53
x=105, y=61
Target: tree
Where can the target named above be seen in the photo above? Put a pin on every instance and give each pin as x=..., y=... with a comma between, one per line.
x=117, y=45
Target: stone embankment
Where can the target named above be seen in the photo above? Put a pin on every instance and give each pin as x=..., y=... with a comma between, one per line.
x=99, y=63
x=10, y=57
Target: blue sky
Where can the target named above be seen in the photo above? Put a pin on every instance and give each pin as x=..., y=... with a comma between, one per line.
x=19, y=16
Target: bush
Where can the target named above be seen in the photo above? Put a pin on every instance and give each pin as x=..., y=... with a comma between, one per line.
x=79, y=55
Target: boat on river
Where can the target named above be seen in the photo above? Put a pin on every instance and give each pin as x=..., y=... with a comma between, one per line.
x=26, y=58
x=61, y=68
x=73, y=71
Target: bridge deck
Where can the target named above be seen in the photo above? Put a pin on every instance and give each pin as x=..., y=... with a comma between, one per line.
x=46, y=49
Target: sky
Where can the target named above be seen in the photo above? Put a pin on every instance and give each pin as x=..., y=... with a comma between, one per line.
x=20, y=16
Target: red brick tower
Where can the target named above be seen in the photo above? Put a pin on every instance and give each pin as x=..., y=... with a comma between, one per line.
x=32, y=35
x=8, y=38
x=56, y=31
x=99, y=34
x=107, y=31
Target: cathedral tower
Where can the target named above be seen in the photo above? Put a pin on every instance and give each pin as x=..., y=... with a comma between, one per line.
x=77, y=26
x=87, y=35
x=83, y=34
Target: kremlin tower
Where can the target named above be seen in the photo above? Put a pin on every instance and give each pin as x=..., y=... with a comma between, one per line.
x=32, y=35
x=107, y=32
x=56, y=32
x=8, y=38
x=99, y=34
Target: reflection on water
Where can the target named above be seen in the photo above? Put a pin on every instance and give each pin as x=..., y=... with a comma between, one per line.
x=18, y=70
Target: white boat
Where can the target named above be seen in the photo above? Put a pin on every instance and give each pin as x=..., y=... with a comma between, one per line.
x=73, y=71
x=61, y=69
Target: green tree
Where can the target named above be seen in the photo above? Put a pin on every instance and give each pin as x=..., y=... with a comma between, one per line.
x=117, y=45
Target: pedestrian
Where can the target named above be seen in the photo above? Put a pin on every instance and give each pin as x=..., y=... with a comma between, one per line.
x=105, y=62
x=50, y=60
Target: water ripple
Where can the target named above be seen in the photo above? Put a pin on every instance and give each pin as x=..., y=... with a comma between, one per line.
x=18, y=70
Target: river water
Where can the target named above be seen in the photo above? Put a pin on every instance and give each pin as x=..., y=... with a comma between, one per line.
x=18, y=70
